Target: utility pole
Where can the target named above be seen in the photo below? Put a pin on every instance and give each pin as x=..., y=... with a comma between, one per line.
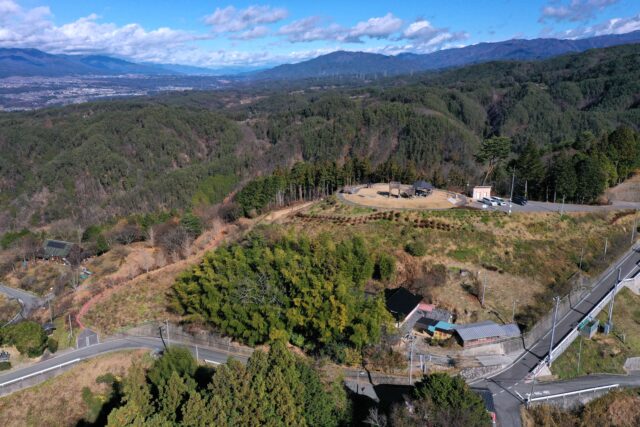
x=197, y=355
x=581, y=256
x=162, y=338
x=513, y=312
x=70, y=329
x=513, y=180
x=413, y=340
x=553, y=328
x=484, y=287
x=609, y=326
x=606, y=246
x=167, y=323
x=562, y=208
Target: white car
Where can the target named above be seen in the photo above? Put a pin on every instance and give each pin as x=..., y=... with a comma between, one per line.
x=500, y=201
x=489, y=202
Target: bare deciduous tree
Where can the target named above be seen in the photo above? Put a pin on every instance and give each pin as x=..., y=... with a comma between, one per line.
x=146, y=261
x=375, y=418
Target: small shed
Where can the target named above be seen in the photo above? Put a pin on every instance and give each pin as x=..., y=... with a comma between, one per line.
x=480, y=192
x=422, y=188
x=589, y=328
x=402, y=303
x=486, y=332
x=56, y=249
x=423, y=324
x=441, y=330
x=432, y=312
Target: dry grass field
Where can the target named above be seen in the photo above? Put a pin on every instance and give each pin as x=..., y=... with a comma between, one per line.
x=523, y=257
x=8, y=309
x=36, y=407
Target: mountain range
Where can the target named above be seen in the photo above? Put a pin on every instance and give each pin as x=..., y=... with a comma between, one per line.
x=33, y=62
x=343, y=63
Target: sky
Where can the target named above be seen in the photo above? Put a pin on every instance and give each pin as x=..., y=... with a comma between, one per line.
x=221, y=34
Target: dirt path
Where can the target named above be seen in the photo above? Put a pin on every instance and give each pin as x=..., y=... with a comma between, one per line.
x=173, y=269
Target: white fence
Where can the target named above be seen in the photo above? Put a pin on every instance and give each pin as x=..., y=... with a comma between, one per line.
x=35, y=377
x=571, y=393
x=571, y=336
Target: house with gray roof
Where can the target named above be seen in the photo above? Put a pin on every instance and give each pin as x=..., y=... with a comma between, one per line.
x=56, y=249
x=487, y=332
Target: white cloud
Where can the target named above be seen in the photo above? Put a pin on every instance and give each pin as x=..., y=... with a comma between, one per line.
x=575, y=10
x=8, y=6
x=377, y=28
x=34, y=28
x=230, y=19
x=610, y=26
x=312, y=29
x=255, y=33
x=427, y=38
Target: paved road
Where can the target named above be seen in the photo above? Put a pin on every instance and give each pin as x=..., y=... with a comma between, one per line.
x=394, y=393
x=513, y=378
x=533, y=206
x=217, y=356
x=27, y=300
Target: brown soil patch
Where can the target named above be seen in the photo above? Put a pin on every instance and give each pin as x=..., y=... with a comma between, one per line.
x=376, y=197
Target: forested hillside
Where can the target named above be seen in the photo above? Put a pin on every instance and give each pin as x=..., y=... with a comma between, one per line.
x=97, y=160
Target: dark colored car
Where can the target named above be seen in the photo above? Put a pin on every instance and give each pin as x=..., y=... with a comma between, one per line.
x=520, y=200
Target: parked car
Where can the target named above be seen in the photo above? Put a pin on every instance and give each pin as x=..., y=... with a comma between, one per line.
x=499, y=200
x=519, y=200
x=489, y=202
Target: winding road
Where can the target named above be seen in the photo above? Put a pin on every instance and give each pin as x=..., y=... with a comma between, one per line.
x=514, y=379
x=27, y=300
x=116, y=344
x=509, y=387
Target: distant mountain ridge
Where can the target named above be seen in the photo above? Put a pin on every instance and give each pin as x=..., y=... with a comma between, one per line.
x=344, y=63
x=33, y=62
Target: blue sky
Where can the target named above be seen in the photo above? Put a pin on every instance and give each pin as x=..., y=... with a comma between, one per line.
x=250, y=33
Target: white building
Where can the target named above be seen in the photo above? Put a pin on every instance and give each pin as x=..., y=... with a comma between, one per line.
x=480, y=192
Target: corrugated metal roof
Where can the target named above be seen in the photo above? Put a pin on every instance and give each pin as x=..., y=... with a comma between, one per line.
x=486, y=329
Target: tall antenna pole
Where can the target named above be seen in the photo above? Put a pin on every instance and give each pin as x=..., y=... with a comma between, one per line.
x=513, y=180
x=484, y=287
x=609, y=324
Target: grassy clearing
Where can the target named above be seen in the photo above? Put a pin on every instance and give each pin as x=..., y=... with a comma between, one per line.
x=526, y=257
x=606, y=354
x=36, y=407
x=40, y=277
x=8, y=309
x=143, y=300
x=61, y=334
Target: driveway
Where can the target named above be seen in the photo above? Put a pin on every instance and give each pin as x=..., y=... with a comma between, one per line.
x=27, y=300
